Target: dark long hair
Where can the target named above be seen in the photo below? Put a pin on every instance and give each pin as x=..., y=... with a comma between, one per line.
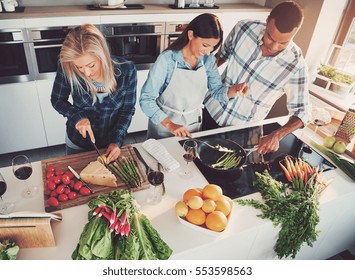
x=204, y=26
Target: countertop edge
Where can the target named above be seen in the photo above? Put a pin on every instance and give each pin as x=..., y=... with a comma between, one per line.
x=67, y=11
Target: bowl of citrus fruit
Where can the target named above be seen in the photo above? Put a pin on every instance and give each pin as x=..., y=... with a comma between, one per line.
x=205, y=209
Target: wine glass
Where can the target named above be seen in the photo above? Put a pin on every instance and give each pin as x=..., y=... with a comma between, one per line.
x=155, y=178
x=190, y=153
x=317, y=123
x=5, y=207
x=22, y=169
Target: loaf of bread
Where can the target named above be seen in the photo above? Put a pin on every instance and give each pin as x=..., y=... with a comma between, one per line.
x=97, y=174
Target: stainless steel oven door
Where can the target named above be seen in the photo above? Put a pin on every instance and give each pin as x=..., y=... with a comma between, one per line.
x=140, y=43
x=46, y=59
x=45, y=46
x=15, y=62
x=173, y=31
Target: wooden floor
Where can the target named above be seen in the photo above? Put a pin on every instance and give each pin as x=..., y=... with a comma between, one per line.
x=58, y=151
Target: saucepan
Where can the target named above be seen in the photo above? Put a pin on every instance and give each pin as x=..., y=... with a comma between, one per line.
x=208, y=156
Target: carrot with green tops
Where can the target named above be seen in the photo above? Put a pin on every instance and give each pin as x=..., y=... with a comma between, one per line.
x=287, y=174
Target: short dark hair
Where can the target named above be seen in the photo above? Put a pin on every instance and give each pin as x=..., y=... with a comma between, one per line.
x=287, y=15
x=204, y=26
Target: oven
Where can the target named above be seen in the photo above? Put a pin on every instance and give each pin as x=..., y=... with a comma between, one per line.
x=140, y=43
x=173, y=30
x=45, y=46
x=15, y=58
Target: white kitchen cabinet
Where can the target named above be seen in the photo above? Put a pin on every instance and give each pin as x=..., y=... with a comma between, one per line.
x=21, y=125
x=54, y=123
x=139, y=120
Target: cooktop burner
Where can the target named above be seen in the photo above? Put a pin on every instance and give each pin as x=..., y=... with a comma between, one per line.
x=241, y=185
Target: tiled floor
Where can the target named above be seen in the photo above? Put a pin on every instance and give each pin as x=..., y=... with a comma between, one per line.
x=137, y=137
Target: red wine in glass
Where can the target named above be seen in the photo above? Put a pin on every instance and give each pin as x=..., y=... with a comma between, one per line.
x=190, y=153
x=5, y=207
x=23, y=173
x=22, y=169
x=155, y=177
x=3, y=188
x=189, y=156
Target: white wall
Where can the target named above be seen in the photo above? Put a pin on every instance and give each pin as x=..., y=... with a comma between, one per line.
x=324, y=33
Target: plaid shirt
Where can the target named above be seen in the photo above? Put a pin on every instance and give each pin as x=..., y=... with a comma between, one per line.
x=110, y=118
x=268, y=78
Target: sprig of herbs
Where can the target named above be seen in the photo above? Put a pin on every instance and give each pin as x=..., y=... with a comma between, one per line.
x=295, y=210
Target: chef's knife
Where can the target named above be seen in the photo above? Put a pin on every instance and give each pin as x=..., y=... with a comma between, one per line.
x=98, y=152
x=141, y=158
x=77, y=176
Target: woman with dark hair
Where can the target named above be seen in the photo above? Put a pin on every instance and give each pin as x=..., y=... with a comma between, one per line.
x=173, y=94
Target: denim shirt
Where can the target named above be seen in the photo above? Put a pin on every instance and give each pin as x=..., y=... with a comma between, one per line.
x=160, y=75
x=109, y=118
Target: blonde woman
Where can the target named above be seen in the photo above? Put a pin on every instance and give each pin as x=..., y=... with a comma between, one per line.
x=103, y=90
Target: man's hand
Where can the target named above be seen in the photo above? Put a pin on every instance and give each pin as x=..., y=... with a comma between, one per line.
x=84, y=127
x=112, y=152
x=270, y=143
x=176, y=129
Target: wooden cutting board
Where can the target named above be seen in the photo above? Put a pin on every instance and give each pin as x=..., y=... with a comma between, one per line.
x=331, y=129
x=78, y=162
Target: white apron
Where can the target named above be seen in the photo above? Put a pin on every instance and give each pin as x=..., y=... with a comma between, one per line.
x=182, y=101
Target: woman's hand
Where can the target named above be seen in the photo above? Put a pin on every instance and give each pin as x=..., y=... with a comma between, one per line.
x=239, y=90
x=176, y=129
x=112, y=152
x=84, y=127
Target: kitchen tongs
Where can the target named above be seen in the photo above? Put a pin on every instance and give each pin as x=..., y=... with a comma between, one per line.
x=217, y=147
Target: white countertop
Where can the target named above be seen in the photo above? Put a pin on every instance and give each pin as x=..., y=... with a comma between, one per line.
x=250, y=236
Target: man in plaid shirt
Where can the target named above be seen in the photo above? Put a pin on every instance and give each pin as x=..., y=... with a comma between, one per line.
x=264, y=60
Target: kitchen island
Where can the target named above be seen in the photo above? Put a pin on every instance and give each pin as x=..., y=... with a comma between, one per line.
x=246, y=236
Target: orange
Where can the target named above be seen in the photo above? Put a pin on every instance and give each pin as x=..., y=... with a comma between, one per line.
x=195, y=202
x=208, y=205
x=224, y=205
x=181, y=209
x=196, y=216
x=212, y=191
x=216, y=221
x=191, y=192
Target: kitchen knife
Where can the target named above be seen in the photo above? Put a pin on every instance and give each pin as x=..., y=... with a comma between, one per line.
x=98, y=152
x=139, y=156
x=77, y=176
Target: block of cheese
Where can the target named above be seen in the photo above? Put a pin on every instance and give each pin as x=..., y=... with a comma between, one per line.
x=97, y=174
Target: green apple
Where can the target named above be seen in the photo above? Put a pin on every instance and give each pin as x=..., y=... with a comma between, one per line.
x=339, y=147
x=328, y=141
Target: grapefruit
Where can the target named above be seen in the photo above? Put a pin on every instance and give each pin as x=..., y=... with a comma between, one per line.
x=191, y=192
x=208, y=205
x=196, y=216
x=216, y=221
x=181, y=209
x=195, y=202
x=212, y=191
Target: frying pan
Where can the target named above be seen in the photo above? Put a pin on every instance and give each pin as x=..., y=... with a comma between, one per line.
x=208, y=156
